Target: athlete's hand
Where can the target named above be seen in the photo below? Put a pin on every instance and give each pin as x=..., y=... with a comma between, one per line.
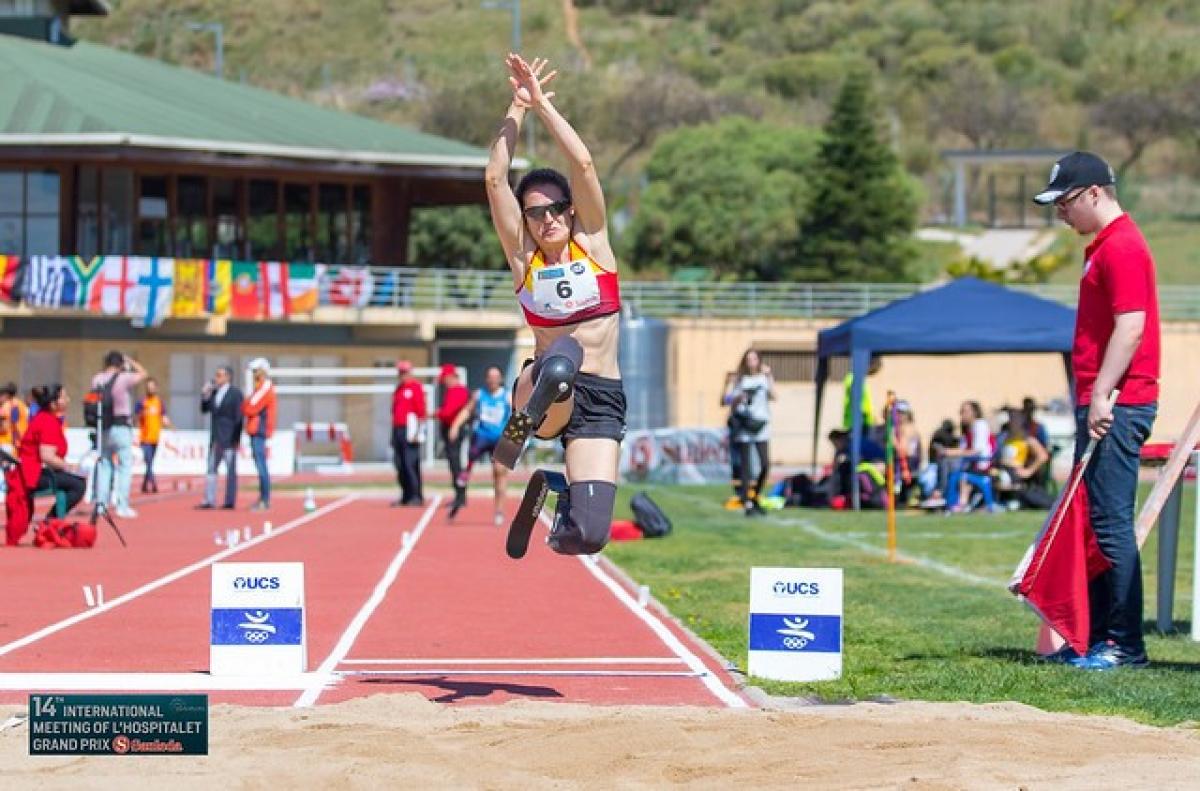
x=527, y=81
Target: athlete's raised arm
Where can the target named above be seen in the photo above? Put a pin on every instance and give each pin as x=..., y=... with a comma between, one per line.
x=526, y=79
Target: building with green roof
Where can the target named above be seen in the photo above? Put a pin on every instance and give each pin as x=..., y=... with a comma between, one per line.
x=104, y=152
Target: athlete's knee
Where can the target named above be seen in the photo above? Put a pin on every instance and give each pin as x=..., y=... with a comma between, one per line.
x=583, y=518
x=556, y=369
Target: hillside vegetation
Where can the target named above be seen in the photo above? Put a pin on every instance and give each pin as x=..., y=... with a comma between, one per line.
x=1118, y=76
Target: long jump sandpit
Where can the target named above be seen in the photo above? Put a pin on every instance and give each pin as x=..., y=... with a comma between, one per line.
x=389, y=739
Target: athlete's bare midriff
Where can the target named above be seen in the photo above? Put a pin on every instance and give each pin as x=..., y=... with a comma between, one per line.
x=597, y=336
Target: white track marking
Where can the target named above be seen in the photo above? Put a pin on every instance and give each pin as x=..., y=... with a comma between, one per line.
x=709, y=679
x=149, y=587
x=399, y=672
x=599, y=660
x=928, y=563
x=346, y=641
x=156, y=682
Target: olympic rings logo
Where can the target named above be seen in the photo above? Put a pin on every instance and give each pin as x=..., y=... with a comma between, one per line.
x=794, y=643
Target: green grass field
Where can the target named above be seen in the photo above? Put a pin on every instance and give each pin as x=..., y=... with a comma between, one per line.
x=939, y=627
x=1174, y=243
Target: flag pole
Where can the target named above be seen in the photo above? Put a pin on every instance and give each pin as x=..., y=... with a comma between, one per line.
x=889, y=425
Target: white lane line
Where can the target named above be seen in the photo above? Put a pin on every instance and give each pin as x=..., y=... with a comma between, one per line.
x=401, y=672
x=600, y=660
x=138, y=682
x=346, y=641
x=676, y=646
x=954, y=572
x=149, y=587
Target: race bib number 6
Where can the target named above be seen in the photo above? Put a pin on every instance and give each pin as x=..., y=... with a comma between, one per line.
x=566, y=289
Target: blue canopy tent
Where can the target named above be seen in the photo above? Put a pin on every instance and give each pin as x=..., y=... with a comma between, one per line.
x=965, y=316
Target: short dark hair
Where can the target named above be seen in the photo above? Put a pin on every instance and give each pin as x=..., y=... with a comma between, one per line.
x=9, y=389
x=114, y=359
x=228, y=371
x=46, y=395
x=541, y=176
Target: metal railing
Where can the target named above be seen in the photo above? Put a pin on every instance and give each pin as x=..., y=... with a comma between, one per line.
x=473, y=290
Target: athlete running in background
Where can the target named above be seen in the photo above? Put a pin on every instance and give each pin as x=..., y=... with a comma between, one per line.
x=490, y=409
x=554, y=232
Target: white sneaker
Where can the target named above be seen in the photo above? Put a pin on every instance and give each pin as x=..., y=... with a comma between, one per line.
x=126, y=513
x=498, y=519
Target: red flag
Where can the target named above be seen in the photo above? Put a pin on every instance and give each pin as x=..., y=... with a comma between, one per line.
x=246, y=299
x=1053, y=576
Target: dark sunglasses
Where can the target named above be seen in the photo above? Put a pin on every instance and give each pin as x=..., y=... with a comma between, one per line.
x=556, y=210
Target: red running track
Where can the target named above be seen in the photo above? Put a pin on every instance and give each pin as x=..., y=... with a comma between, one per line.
x=444, y=613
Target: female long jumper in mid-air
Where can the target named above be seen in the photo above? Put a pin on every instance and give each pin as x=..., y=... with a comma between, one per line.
x=555, y=236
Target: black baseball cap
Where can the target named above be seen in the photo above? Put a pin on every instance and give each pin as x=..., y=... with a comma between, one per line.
x=1081, y=169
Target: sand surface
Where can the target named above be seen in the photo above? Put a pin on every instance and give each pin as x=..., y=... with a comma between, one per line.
x=387, y=740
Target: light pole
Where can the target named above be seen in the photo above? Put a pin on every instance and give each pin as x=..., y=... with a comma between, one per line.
x=514, y=7
x=218, y=31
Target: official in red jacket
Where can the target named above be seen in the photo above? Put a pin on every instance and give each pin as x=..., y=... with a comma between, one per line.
x=408, y=427
x=455, y=398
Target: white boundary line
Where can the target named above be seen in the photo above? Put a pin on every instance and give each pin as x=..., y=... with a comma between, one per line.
x=325, y=672
x=599, y=660
x=697, y=666
x=164, y=682
x=401, y=672
x=953, y=572
x=149, y=587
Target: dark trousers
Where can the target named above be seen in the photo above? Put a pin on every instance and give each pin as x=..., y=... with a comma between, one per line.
x=219, y=454
x=454, y=459
x=258, y=449
x=1115, y=597
x=407, y=458
x=743, y=451
x=69, y=484
x=149, y=484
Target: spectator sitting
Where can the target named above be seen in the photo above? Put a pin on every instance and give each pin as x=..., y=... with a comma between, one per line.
x=972, y=454
x=1032, y=425
x=1020, y=456
x=43, y=450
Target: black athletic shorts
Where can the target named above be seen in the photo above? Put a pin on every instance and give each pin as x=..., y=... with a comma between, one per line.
x=599, y=411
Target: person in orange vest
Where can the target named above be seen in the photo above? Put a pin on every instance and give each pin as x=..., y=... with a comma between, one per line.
x=14, y=418
x=260, y=409
x=151, y=418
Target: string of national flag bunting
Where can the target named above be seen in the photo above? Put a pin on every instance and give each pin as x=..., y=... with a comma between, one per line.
x=149, y=290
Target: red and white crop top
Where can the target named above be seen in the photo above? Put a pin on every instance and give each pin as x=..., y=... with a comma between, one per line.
x=581, y=289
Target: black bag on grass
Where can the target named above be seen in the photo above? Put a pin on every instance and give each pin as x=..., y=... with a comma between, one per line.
x=649, y=517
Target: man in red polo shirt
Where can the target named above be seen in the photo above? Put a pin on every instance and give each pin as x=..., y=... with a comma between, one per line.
x=408, y=428
x=1116, y=347
x=455, y=398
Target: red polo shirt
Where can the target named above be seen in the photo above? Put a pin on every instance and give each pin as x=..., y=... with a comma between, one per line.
x=1118, y=277
x=453, y=402
x=409, y=397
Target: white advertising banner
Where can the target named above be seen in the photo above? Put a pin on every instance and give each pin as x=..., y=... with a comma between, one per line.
x=795, y=624
x=676, y=455
x=186, y=453
x=257, y=619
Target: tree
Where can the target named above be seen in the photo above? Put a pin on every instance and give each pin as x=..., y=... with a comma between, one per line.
x=727, y=196
x=971, y=99
x=454, y=237
x=863, y=208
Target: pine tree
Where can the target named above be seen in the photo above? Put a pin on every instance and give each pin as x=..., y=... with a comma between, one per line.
x=862, y=210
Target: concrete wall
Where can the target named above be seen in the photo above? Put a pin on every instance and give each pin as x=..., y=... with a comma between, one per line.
x=703, y=351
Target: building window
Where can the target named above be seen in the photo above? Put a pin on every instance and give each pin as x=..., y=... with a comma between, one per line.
x=360, y=215
x=153, y=210
x=227, y=218
x=191, y=217
x=29, y=212
x=333, y=239
x=116, y=211
x=298, y=222
x=262, y=220
x=87, y=211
